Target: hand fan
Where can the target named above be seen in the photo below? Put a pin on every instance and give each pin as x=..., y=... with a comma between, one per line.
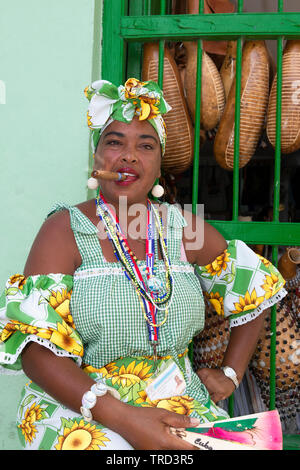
x=259, y=431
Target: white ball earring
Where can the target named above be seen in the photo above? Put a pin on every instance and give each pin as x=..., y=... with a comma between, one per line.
x=157, y=191
x=92, y=183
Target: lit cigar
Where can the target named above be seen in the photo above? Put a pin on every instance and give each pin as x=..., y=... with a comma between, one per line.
x=109, y=175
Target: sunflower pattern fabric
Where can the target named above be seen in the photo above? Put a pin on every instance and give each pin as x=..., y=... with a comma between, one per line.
x=240, y=284
x=110, y=103
x=43, y=424
x=37, y=309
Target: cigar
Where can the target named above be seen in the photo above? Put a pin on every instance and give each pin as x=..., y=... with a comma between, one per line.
x=109, y=175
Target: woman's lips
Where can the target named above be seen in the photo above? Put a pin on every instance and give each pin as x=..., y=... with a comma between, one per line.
x=131, y=176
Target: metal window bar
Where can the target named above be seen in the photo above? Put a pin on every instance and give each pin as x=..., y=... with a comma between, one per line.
x=124, y=33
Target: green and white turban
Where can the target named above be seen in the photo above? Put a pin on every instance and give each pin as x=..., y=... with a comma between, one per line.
x=109, y=103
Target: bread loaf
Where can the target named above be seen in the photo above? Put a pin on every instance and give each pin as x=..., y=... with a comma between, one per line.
x=179, y=147
x=212, y=89
x=290, y=117
x=254, y=101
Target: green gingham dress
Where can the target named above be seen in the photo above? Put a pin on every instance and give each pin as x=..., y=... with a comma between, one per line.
x=95, y=318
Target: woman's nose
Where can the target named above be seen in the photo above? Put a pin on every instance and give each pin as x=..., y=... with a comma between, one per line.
x=129, y=156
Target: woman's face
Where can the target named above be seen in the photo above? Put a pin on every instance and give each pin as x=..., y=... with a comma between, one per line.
x=132, y=148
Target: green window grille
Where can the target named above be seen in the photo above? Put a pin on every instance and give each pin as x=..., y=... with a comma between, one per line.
x=127, y=24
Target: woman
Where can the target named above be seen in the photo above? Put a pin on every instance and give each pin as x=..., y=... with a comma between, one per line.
x=93, y=308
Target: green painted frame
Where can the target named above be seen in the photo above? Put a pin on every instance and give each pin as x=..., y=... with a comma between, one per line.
x=128, y=23
x=225, y=26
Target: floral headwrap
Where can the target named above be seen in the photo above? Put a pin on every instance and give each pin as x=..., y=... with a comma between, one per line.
x=109, y=103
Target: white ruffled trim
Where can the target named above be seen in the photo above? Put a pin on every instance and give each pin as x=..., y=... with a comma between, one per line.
x=255, y=313
x=86, y=273
x=106, y=271
x=6, y=358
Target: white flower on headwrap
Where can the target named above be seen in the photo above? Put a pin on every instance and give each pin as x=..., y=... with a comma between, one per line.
x=101, y=105
x=109, y=103
x=128, y=111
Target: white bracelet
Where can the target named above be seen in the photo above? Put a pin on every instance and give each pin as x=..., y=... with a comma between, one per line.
x=89, y=399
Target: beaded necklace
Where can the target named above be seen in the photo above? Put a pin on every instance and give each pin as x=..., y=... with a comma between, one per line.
x=149, y=295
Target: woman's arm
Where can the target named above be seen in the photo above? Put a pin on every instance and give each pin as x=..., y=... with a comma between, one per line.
x=54, y=249
x=241, y=346
x=62, y=379
x=202, y=242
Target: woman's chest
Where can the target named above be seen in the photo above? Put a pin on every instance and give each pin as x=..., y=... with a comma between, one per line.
x=105, y=304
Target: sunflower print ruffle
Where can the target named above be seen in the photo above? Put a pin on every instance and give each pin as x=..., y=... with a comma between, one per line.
x=240, y=284
x=36, y=308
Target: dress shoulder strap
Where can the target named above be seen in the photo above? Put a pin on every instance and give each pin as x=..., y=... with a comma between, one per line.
x=175, y=224
x=85, y=233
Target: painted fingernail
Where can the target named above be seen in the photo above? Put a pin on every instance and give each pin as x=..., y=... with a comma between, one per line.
x=194, y=421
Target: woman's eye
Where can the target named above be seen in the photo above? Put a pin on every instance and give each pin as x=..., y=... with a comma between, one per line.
x=147, y=146
x=113, y=142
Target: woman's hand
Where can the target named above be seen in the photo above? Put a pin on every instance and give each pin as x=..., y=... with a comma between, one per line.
x=149, y=429
x=218, y=385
